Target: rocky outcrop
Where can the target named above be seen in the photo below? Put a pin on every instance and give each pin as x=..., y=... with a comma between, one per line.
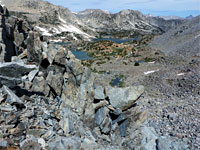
x=56, y=105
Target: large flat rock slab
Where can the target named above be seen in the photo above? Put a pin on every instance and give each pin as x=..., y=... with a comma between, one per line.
x=123, y=98
x=15, y=69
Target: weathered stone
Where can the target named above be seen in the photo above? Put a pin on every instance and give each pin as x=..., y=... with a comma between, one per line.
x=49, y=134
x=36, y=132
x=99, y=93
x=7, y=108
x=119, y=118
x=75, y=68
x=30, y=143
x=19, y=38
x=123, y=127
x=149, y=138
x=3, y=142
x=40, y=85
x=100, y=115
x=51, y=53
x=15, y=69
x=32, y=75
x=106, y=125
x=60, y=57
x=67, y=125
x=55, y=80
x=63, y=143
x=123, y=98
x=11, y=97
x=10, y=82
x=34, y=49
x=163, y=143
x=42, y=142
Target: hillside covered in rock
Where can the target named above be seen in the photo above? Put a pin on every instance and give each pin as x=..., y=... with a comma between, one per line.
x=49, y=100
x=56, y=21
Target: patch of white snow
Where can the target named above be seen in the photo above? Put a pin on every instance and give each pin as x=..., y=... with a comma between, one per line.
x=62, y=20
x=149, y=72
x=180, y=74
x=44, y=31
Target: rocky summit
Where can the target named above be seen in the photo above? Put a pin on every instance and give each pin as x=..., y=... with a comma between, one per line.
x=132, y=94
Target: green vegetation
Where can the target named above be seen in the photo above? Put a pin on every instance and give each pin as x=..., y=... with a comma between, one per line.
x=101, y=62
x=147, y=59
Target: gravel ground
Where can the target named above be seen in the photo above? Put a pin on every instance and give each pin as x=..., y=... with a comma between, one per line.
x=172, y=95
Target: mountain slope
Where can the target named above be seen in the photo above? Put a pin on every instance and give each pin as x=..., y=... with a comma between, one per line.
x=54, y=20
x=182, y=40
x=48, y=18
x=124, y=20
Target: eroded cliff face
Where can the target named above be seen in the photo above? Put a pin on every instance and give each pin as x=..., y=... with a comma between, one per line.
x=49, y=100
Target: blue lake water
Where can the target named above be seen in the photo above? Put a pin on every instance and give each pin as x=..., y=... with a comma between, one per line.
x=81, y=55
x=119, y=41
x=63, y=43
x=116, y=81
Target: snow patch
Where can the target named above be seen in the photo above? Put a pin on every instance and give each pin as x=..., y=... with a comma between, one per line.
x=153, y=62
x=71, y=28
x=180, y=74
x=62, y=20
x=56, y=41
x=149, y=72
x=106, y=11
x=132, y=24
x=44, y=31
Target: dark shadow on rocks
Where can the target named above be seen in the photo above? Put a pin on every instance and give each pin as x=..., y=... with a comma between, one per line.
x=21, y=92
x=8, y=38
x=45, y=63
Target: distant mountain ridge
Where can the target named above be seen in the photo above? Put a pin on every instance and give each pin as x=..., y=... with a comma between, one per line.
x=53, y=20
x=184, y=40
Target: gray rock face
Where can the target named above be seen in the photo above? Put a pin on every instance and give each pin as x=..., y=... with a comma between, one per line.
x=163, y=144
x=106, y=125
x=30, y=143
x=125, y=20
x=11, y=97
x=163, y=24
x=32, y=75
x=71, y=143
x=99, y=93
x=57, y=106
x=180, y=41
x=15, y=69
x=101, y=115
x=123, y=98
x=55, y=81
x=34, y=48
x=40, y=85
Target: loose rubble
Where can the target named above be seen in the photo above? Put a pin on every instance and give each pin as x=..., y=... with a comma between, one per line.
x=49, y=101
